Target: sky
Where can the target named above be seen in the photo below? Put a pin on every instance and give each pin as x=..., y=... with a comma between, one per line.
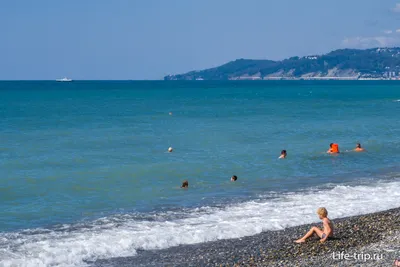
x=148, y=39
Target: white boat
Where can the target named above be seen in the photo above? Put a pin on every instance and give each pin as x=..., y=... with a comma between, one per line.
x=65, y=79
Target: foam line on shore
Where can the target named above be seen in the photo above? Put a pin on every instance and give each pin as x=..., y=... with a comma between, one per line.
x=72, y=245
x=367, y=240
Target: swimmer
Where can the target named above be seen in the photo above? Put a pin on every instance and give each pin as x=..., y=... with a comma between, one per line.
x=234, y=178
x=283, y=154
x=334, y=149
x=324, y=234
x=170, y=149
x=185, y=184
x=330, y=148
x=359, y=148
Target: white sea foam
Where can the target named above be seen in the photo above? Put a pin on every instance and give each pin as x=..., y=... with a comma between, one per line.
x=115, y=236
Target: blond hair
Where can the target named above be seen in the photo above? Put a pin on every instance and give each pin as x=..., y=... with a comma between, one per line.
x=322, y=211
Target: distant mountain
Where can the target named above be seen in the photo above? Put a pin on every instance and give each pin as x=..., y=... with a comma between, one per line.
x=376, y=63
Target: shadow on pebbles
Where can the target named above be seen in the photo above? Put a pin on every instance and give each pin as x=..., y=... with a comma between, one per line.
x=367, y=240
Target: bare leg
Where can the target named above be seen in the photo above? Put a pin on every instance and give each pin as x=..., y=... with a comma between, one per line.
x=309, y=234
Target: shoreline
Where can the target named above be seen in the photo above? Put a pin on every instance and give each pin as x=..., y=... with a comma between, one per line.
x=370, y=234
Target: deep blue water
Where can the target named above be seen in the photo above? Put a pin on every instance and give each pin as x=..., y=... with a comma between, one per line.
x=80, y=155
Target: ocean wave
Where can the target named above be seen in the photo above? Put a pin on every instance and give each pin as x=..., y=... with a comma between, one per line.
x=123, y=235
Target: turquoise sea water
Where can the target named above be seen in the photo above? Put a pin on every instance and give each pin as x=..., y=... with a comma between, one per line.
x=84, y=162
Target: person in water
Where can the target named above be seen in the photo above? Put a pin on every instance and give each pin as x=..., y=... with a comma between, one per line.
x=324, y=234
x=185, y=184
x=359, y=148
x=334, y=149
x=234, y=178
x=283, y=154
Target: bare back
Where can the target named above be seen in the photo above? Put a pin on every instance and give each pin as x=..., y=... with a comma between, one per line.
x=328, y=226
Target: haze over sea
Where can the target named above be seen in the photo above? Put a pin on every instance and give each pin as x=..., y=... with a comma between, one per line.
x=85, y=173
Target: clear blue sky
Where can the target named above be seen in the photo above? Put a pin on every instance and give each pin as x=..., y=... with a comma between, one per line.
x=147, y=39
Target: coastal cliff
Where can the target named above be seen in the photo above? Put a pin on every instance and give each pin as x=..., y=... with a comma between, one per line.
x=351, y=64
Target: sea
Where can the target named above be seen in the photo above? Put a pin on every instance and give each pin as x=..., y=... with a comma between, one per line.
x=85, y=172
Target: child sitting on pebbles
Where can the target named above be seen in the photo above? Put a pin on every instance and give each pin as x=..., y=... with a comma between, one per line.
x=324, y=234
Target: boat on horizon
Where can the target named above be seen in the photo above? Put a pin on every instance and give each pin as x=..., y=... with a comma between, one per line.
x=65, y=79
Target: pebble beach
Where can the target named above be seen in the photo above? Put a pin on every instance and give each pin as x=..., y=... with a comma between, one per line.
x=87, y=179
x=368, y=240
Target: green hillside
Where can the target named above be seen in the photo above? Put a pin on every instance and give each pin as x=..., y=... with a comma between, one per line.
x=369, y=63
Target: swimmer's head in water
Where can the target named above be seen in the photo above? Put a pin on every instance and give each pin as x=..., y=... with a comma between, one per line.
x=358, y=145
x=283, y=154
x=234, y=178
x=185, y=184
x=334, y=148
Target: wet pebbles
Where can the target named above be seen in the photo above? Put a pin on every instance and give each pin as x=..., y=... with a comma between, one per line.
x=373, y=234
